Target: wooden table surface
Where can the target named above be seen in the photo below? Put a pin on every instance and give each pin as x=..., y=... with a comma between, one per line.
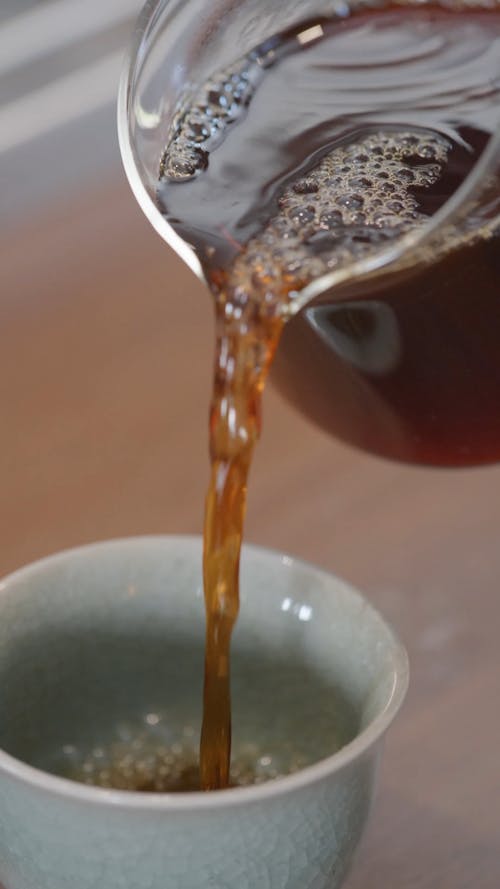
x=105, y=356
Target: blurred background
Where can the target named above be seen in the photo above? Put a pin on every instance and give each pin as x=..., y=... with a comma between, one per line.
x=59, y=64
x=105, y=357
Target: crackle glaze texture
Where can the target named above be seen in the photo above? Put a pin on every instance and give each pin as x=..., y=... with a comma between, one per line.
x=298, y=832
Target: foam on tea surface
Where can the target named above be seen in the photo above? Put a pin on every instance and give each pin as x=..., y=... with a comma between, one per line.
x=147, y=758
x=358, y=197
x=203, y=125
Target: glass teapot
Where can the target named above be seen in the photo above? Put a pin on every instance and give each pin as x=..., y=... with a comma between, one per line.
x=398, y=355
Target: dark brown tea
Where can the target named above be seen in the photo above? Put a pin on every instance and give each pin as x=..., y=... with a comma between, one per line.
x=322, y=146
x=410, y=370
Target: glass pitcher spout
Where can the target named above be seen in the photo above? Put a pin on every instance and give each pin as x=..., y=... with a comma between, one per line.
x=347, y=156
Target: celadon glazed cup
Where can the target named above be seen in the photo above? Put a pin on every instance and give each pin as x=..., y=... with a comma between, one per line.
x=98, y=635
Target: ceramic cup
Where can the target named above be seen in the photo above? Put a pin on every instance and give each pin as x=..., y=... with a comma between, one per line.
x=97, y=637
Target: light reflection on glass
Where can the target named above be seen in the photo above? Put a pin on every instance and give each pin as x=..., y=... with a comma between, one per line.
x=310, y=34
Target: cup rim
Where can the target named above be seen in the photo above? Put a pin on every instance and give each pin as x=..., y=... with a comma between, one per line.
x=364, y=267
x=217, y=799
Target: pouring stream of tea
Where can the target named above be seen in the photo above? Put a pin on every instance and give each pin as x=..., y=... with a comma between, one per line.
x=244, y=354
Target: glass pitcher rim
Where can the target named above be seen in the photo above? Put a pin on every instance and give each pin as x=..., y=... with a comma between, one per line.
x=364, y=267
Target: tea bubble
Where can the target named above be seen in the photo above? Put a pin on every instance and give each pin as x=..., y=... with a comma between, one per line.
x=358, y=196
x=151, y=763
